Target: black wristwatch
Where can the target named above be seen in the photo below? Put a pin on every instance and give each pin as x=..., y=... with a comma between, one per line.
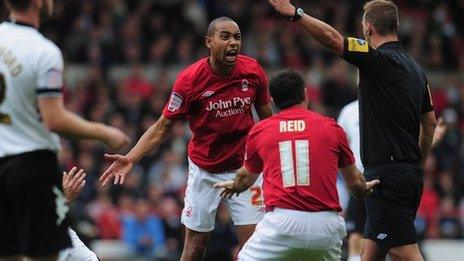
x=297, y=16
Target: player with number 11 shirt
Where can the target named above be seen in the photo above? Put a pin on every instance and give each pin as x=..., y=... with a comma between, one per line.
x=299, y=153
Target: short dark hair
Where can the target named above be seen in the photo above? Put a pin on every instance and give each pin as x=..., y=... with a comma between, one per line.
x=18, y=5
x=383, y=14
x=212, y=24
x=287, y=89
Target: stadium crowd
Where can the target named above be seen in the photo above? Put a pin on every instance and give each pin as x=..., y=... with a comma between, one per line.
x=145, y=211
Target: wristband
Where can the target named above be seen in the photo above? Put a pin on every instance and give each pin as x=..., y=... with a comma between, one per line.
x=297, y=16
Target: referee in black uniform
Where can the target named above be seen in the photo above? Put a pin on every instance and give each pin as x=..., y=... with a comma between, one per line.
x=397, y=123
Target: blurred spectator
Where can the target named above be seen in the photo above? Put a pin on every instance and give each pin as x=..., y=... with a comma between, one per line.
x=170, y=212
x=144, y=232
x=105, y=215
x=449, y=224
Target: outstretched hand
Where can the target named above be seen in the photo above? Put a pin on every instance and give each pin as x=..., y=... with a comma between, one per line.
x=228, y=187
x=73, y=183
x=119, y=169
x=284, y=7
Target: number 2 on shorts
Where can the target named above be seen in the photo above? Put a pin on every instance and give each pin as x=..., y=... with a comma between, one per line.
x=256, y=196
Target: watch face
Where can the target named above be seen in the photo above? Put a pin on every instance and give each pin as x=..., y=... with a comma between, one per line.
x=300, y=12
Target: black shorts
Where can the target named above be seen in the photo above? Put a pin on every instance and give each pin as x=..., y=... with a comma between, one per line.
x=355, y=216
x=32, y=207
x=392, y=207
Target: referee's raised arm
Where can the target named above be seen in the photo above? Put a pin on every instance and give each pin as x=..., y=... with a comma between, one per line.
x=397, y=122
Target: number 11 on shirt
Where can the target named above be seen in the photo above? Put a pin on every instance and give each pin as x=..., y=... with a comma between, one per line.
x=300, y=160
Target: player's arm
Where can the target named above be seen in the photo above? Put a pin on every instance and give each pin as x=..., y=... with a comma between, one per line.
x=56, y=117
x=150, y=141
x=244, y=179
x=264, y=111
x=356, y=183
x=354, y=179
x=428, y=123
x=321, y=31
x=440, y=131
x=177, y=107
x=263, y=99
x=60, y=120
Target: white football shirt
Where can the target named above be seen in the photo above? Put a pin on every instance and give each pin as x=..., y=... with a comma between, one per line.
x=349, y=121
x=31, y=67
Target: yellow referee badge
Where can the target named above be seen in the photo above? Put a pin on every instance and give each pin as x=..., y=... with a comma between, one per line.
x=357, y=45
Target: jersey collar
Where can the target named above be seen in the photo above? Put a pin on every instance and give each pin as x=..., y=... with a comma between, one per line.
x=222, y=77
x=391, y=45
x=21, y=23
x=293, y=108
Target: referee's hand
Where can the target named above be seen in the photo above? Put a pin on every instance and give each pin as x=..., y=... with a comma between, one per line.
x=370, y=186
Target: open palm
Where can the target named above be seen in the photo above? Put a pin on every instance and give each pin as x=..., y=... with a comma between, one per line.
x=119, y=169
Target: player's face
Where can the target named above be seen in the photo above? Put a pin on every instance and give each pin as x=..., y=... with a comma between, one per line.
x=225, y=42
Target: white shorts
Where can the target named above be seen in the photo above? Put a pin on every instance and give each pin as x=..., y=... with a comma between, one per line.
x=202, y=200
x=285, y=234
x=78, y=252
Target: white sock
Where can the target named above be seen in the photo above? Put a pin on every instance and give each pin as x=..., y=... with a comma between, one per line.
x=354, y=258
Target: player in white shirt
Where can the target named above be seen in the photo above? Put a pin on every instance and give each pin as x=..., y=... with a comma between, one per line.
x=356, y=213
x=33, y=210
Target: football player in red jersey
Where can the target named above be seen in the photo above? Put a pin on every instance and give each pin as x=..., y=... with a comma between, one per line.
x=216, y=95
x=299, y=153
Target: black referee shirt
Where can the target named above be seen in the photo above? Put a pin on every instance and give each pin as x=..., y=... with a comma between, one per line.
x=393, y=93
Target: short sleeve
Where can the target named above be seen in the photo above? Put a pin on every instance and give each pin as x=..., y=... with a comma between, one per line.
x=253, y=161
x=263, y=97
x=50, y=73
x=358, y=52
x=427, y=103
x=345, y=155
x=178, y=104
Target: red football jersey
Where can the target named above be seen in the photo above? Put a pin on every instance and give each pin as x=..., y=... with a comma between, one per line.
x=299, y=153
x=218, y=110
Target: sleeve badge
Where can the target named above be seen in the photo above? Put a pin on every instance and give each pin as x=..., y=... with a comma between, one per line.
x=175, y=102
x=357, y=45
